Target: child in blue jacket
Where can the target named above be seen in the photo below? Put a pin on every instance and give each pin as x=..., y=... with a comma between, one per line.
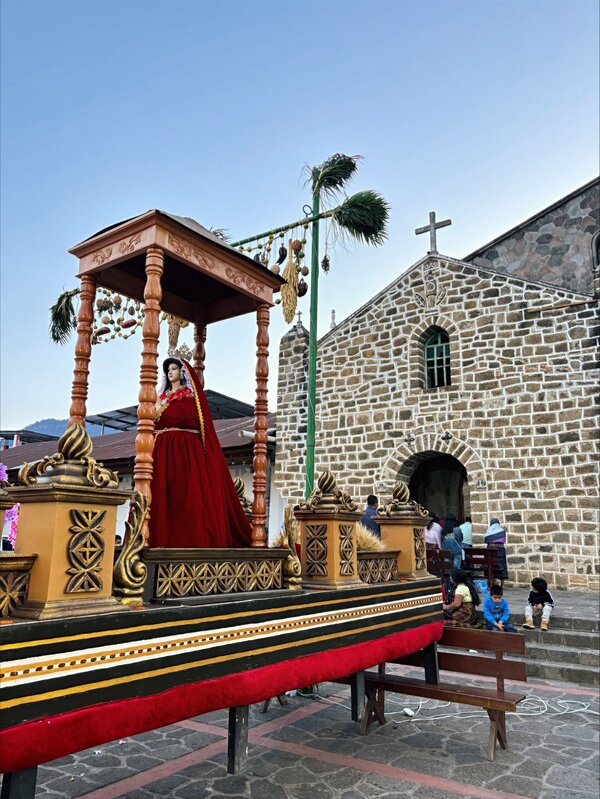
x=496, y=612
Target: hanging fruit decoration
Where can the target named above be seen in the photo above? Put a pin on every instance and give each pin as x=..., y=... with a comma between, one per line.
x=326, y=263
x=110, y=320
x=294, y=253
x=289, y=291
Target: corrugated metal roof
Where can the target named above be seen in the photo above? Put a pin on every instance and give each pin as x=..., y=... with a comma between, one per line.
x=121, y=446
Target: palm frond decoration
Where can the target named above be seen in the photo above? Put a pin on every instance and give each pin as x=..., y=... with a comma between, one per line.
x=330, y=177
x=62, y=317
x=364, y=216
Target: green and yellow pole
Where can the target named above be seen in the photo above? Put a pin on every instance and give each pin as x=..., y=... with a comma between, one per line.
x=312, y=348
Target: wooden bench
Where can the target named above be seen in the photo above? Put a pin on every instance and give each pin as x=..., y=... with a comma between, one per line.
x=496, y=701
x=482, y=561
x=439, y=563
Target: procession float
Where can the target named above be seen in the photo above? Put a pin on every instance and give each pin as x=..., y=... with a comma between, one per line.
x=194, y=612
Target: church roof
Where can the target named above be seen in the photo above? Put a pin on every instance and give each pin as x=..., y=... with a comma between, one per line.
x=447, y=260
x=531, y=219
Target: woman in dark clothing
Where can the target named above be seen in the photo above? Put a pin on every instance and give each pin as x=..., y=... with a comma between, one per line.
x=495, y=537
x=450, y=539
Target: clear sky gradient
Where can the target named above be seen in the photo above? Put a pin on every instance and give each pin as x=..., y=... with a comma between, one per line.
x=482, y=111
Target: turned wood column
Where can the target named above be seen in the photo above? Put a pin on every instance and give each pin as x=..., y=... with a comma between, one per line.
x=144, y=441
x=199, y=350
x=259, y=482
x=83, y=350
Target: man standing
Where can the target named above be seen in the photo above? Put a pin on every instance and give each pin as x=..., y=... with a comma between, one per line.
x=367, y=517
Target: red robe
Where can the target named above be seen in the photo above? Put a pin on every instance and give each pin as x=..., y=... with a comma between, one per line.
x=194, y=502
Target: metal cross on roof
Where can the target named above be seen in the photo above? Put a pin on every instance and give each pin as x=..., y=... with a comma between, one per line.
x=431, y=228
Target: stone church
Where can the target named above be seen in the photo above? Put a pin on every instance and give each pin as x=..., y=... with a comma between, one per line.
x=476, y=382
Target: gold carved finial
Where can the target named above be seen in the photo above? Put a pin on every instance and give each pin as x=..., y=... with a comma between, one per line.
x=328, y=497
x=75, y=443
x=129, y=573
x=72, y=464
x=240, y=488
x=401, y=493
x=401, y=504
x=292, y=568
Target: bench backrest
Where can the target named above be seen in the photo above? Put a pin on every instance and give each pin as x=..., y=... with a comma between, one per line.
x=498, y=643
x=466, y=663
x=439, y=562
x=481, y=559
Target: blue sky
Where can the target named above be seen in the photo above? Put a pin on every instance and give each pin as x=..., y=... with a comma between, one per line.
x=483, y=111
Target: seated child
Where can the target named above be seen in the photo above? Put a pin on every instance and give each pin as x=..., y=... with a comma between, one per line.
x=460, y=608
x=540, y=600
x=496, y=612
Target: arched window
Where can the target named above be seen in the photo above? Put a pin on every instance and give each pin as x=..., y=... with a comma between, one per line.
x=437, y=359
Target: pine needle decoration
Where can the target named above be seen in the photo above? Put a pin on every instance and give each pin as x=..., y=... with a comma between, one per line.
x=366, y=541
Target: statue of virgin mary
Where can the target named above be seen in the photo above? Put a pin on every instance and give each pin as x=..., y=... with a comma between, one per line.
x=194, y=502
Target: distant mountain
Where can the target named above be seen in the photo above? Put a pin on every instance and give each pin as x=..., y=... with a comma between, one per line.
x=56, y=427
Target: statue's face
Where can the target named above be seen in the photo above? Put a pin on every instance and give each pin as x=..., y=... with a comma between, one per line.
x=174, y=373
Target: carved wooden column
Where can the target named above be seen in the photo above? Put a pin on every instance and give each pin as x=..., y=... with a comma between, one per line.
x=144, y=441
x=259, y=483
x=83, y=350
x=199, y=350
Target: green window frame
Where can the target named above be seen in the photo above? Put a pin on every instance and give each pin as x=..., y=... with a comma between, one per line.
x=437, y=360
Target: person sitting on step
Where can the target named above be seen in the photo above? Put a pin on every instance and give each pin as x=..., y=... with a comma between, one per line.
x=496, y=613
x=460, y=609
x=540, y=600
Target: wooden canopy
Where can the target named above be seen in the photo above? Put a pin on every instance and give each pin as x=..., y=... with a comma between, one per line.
x=203, y=277
x=174, y=264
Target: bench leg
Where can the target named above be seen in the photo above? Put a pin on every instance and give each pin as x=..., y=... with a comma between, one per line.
x=357, y=695
x=374, y=709
x=237, y=739
x=502, y=740
x=430, y=662
x=265, y=705
x=280, y=698
x=491, y=747
x=19, y=784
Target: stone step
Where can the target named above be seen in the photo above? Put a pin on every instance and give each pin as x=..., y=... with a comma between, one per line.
x=577, y=640
x=547, y=670
x=562, y=623
x=561, y=654
x=567, y=655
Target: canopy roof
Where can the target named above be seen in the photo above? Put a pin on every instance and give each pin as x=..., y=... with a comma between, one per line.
x=204, y=278
x=221, y=407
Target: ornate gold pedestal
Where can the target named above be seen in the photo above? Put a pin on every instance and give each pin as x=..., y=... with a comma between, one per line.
x=68, y=518
x=401, y=524
x=327, y=525
x=15, y=571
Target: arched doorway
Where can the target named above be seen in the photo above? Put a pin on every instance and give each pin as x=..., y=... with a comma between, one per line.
x=440, y=483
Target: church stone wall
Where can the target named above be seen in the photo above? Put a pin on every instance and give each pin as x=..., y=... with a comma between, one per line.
x=555, y=247
x=521, y=414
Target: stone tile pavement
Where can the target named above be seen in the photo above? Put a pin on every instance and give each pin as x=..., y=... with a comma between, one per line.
x=310, y=749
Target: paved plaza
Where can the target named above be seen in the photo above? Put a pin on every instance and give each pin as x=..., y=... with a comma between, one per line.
x=310, y=749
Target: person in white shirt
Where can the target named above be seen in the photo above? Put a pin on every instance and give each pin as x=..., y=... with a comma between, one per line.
x=433, y=532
